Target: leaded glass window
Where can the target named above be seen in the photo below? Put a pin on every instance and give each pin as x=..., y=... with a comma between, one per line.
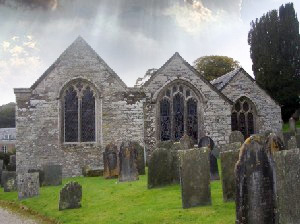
x=79, y=113
x=192, y=119
x=178, y=111
x=165, y=120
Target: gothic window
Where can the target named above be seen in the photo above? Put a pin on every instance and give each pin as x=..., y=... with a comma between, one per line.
x=79, y=114
x=242, y=117
x=178, y=113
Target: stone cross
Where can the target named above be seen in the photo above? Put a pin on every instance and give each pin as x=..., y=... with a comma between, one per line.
x=128, y=166
x=28, y=185
x=70, y=196
x=111, y=162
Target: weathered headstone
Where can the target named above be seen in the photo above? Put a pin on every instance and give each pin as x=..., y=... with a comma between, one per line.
x=9, y=181
x=128, y=166
x=195, y=177
x=187, y=142
x=41, y=174
x=160, y=168
x=298, y=140
x=28, y=185
x=175, y=166
x=273, y=143
x=209, y=143
x=111, y=163
x=1, y=169
x=288, y=185
x=231, y=146
x=12, y=163
x=229, y=159
x=52, y=175
x=255, y=193
x=292, y=125
x=236, y=136
x=165, y=144
x=70, y=196
x=292, y=143
x=140, y=158
x=286, y=137
x=92, y=171
x=177, y=146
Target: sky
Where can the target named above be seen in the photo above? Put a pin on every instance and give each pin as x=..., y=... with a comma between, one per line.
x=132, y=36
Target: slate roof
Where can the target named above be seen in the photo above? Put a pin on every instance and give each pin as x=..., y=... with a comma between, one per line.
x=7, y=133
x=222, y=81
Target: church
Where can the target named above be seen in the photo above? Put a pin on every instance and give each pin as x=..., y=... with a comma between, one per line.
x=79, y=105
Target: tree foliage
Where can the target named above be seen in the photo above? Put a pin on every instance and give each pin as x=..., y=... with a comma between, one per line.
x=212, y=67
x=275, y=51
x=7, y=116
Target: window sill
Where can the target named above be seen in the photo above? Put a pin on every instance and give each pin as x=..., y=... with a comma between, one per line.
x=79, y=143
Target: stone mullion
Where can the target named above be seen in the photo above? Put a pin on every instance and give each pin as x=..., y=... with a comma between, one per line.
x=185, y=116
x=172, y=119
x=79, y=118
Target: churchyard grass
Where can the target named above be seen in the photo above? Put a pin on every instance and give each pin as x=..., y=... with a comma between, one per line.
x=108, y=201
x=286, y=127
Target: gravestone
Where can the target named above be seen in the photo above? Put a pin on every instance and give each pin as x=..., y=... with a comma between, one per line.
x=298, y=140
x=209, y=143
x=111, y=163
x=128, y=167
x=273, y=143
x=195, y=177
x=255, y=194
x=288, y=185
x=28, y=185
x=236, y=136
x=70, y=196
x=292, y=143
x=1, y=169
x=229, y=159
x=187, y=142
x=165, y=144
x=160, y=168
x=52, y=175
x=12, y=163
x=292, y=125
x=9, y=181
x=177, y=146
x=140, y=158
x=235, y=146
x=41, y=174
x=286, y=137
x=92, y=171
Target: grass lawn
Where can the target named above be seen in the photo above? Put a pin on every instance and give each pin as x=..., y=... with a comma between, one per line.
x=108, y=201
x=286, y=127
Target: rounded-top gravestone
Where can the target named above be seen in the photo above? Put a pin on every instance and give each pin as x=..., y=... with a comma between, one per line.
x=70, y=196
x=110, y=159
x=187, y=142
x=236, y=136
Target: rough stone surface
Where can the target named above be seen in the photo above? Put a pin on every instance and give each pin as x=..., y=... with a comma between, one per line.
x=286, y=137
x=9, y=181
x=236, y=136
x=255, y=193
x=298, y=140
x=1, y=169
x=41, y=174
x=230, y=147
x=292, y=125
x=292, y=143
x=111, y=161
x=128, y=165
x=229, y=159
x=165, y=145
x=12, y=163
x=195, y=178
x=140, y=158
x=273, y=143
x=187, y=142
x=28, y=185
x=288, y=185
x=88, y=171
x=70, y=196
x=52, y=175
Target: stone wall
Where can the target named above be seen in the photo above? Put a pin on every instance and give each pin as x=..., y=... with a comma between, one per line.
x=268, y=111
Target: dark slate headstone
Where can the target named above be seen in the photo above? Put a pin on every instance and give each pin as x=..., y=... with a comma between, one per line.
x=229, y=159
x=128, y=167
x=9, y=181
x=255, y=193
x=288, y=185
x=165, y=144
x=160, y=168
x=70, y=196
x=236, y=136
x=292, y=143
x=209, y=143
x=92, y=171
x=140, y=158
x=41, y=174
x=111, y=162
x=52, y=175
x=195, y=178
x=187, y=142
x=28, y=185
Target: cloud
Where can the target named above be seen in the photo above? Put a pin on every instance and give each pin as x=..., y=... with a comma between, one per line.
x=31, y=4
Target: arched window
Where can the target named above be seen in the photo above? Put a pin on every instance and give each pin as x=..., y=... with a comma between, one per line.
x=178, y=113
x=79, y=123
x=243, y=117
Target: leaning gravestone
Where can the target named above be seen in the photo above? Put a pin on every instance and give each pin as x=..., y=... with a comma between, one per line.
x=70, y=196
x=292, y=143
x=187, y=142
x=229, y=159
x=195, y=177
x=111, y=164
x=255, y=193
x=209, y=143
x=140, y=158
x=292, y=124
x=52, y=175
x=288, y=185
x=236, y=136
x=160, y=168
x=28, y=185
x=9, y=181
x=128, y=167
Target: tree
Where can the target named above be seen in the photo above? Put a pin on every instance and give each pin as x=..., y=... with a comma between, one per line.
x=212, y=67
x=275, y=52
x=7, y=116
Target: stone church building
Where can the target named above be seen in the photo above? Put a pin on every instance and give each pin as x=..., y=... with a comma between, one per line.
x=80, y=104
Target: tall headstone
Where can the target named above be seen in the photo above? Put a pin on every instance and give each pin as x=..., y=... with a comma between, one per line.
x=236, y=136
x=160, y=168
x=209, y=143
x=1, y=169
x=41, y=175
x=52, y=175
x=28, y=185
x=70, y=196
x=255, y=193
x=292, y=124
x=286, y=137
x=128, y=166
x=12, y=163
x=9, y=181
x=292, y=143
x=229, y=159
x=187, y=142
x=195, y=177
x=111, y=163
x=288, y=185
x=140, y=158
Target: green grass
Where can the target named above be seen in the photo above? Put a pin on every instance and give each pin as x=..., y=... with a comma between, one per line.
x=108, y=201
x=286, y=127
